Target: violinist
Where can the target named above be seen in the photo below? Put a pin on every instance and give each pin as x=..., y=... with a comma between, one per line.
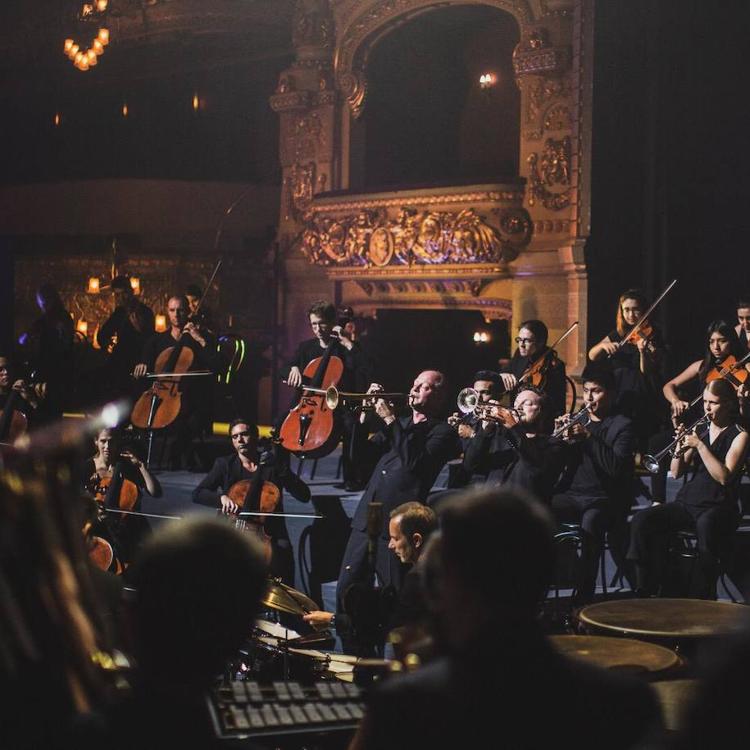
x=116, y=466
x=743, y=322
x=637, y=365
x=707, y=504
x=595, y=489
x=124, y=335
x=515, y=449
x=47, y=347
x=531, y=347
x=196, y=411
x=199, y=314
x=328, y=332
x=246, y=462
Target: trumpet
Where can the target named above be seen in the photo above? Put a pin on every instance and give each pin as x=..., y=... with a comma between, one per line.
x=334, y=397
x=651, y=462
x=468, y=402
x=582, y=416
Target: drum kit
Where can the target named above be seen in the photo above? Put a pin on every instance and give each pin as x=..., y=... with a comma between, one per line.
x=275, y=651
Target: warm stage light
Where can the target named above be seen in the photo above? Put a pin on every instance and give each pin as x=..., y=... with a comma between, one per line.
x=125, y=114
x=160, y=323
x=486, y=80
x=103, y=36
x=68, y=44
x=57, y=119
x=196, y=102
x=135, y=283
x=82, y=327
x=93, y=287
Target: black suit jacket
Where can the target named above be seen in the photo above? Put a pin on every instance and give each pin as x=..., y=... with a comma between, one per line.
x=413, y=455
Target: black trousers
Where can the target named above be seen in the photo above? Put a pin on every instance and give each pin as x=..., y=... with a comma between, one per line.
x=650, y=541
x=596, y=518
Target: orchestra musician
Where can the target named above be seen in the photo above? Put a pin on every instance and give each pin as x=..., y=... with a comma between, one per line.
x=196, y=411
x=125, y=532
x=707, y=504
x=743, y=322
x=357, y=371
x=637, y=365
x=198, y=313
x=413, y=449
x=596, y=488
x=488, y=387
x=410, y=525
x=246, y=462
x=515, y=447
x=29, y=399
x=47, y=348
x=124, y=335
x=531, y=344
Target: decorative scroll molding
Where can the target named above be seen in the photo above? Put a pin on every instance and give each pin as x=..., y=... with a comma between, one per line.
x=553, y=168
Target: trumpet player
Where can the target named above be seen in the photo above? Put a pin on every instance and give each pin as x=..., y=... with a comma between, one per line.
x=706, y=504
x=596, y=487
x=514, y=448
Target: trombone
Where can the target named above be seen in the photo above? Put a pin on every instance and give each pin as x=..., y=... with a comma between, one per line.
x=468, y=402
x=333, y=396
x=582, y=416
x=651, y=462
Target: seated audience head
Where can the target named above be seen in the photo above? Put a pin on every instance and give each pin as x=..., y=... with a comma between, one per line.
x=409, y=528
x=492, y=563
x=532, y=337
x=198, y=587
x=488, y=385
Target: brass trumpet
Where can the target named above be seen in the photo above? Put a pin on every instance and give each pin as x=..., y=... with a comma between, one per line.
x=651, y=462
x=582, y=416
x=468, y=402
x=334, y=396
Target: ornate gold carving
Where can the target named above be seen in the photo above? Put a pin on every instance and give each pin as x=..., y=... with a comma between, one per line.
x=553, y=169
x=557, y=118
x=301, y=180
x=534, y=55
x=368, y=238
x=541, y=92
x=354, y=87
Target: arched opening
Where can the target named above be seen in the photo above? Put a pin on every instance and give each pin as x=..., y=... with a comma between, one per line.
x=430, y=116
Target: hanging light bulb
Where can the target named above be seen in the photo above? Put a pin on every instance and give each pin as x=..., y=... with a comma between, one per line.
x=57, y=119
x=101, y=5
x=135, y=284
x=196, y=102
x=97, y=46
x=93, y=287
x=125, y=114
x=73, y=51
x=68, y=44
x=160, y=323
x=103, y=36
x=91, y=57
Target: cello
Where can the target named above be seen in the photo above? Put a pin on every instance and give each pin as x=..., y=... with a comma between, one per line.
x=311, y=427
x=263, y=494
x=13, y=422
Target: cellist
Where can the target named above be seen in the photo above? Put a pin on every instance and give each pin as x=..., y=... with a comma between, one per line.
x=113, y=464
x=196, y=411
x=25, y=405
x=356, y=377
x=531, y=344
x=246, y=462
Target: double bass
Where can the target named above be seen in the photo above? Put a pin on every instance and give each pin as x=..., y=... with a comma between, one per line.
x=311, y=427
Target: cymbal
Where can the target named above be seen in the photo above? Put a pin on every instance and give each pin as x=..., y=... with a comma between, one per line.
x=620, y=654
x=284, y=598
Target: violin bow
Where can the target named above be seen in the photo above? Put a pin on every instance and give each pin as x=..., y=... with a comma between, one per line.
x=142, y=514
x=645, y=315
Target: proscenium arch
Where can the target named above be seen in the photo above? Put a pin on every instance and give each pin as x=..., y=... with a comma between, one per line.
x=364, y=31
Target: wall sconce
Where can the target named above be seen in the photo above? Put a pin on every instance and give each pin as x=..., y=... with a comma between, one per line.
x=135, y=284
x=481, y=337
x=160, y=323
x=57, y=119
x=486, y=80
x=93, y=287
x=82, y=327
x=196, y=102
x=125, y=109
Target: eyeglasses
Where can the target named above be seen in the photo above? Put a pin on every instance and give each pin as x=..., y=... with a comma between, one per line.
x=525, y=341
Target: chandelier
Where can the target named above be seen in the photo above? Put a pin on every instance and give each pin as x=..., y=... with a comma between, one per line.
x=92, y=14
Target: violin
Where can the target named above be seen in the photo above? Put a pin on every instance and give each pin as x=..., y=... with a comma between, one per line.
x=311, y=426
x=266, y=496
x=730, y=369
x=536, y=373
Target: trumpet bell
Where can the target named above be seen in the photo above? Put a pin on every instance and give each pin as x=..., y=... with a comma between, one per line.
x=467, y=401
x=650, y=463
x=332, y=397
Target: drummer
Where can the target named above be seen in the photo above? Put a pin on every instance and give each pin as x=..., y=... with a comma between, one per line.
x=410, y=526
x=247, y=463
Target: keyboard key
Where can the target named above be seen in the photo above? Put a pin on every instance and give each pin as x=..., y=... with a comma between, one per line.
x=238, y=692
x=282, y=691
x=341, y=711
x=269, y=716
x=312, y=714
x=324, y=690
x=355, y=710
x=256, y=718
x=238, y=718
x=296, y=691
x=254, y=692
x=285, y=717
x=326, y=712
